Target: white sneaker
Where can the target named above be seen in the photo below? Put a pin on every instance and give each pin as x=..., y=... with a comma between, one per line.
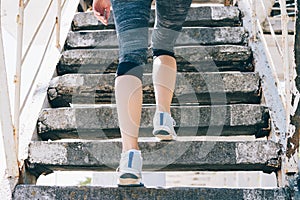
x=163, y=125
x=130, y=169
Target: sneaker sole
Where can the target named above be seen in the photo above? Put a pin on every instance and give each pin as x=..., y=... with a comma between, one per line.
x=134, y=185
x=163, y=135
x=129, y=182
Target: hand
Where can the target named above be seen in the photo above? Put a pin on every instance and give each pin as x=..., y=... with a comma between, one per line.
x=101, y=10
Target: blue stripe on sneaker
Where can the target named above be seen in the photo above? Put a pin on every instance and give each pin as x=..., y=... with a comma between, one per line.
x=130, y=159
x=161, y=116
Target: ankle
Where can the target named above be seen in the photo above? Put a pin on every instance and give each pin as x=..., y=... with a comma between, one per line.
x=161, y=109
x=126, y=149
x=132, y=150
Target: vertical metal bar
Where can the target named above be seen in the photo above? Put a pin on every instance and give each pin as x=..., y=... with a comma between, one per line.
x=37, y=31
x=285, y=52
x=58, y=21
x=84, y=6
x=266, y=15
x=26, y=3
x=7, y=132
x=285, y=45
x=17, y=79
x=253, y=20
x=296, y=87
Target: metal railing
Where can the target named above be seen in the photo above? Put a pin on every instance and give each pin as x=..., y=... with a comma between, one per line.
x=21, y=57
x=289, y=70
x=278, y=98
x=51, y=49
x=290, y=8
x=11, y=174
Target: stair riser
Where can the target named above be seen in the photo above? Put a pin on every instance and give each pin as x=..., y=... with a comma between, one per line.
x=192, y=54
x=195, y=58
x=200, y=16
x=97, y=134
x=24, y=192
x=105, y=117
x=179, y=155
x=204, y=88
x=201, y=99
x=188, y=36
x=218, y=66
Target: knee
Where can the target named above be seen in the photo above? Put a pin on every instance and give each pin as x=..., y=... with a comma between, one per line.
x=163, y=41
x=130, y=68
x=161, y=52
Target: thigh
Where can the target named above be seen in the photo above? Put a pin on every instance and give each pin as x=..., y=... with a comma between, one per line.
x=170, y=16
x=131, y=21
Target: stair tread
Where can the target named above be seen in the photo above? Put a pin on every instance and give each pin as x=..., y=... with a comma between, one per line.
x=193, y=54
x=197, y=16
x=191, y=119
x=191, y=87
x=188, y=36
x=189, y=58
x=176, y=155
x=34, y=192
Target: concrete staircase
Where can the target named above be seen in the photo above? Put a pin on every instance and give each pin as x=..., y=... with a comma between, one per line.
x=217, y=94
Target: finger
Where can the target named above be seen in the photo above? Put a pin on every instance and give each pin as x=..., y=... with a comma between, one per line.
x=100, y=14
x=101, y=18
x=96, y=13
x=107, y=13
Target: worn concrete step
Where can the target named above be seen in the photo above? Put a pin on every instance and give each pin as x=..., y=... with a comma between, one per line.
x=102, y=122
x=197, y=16
x=276, y=25
x=188, y=36
x=203, y=88
x=183, y=154
x=33, y=192
x=189, y=58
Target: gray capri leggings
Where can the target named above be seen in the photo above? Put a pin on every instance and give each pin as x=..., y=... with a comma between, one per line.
x=132, y=20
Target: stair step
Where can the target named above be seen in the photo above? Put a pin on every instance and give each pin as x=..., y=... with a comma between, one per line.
x=101, y=121
x=188, y=36
x=276, y=25
x=186, y=154
x=34, y=192
x=189, y=58
x=203, y=88
x=197, y=16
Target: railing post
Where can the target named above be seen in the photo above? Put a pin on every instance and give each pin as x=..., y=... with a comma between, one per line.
x=254, y=20
x=6, y=131
x=285, y=51
x=287, y=81
x=297, y=107
x=57, y=23
x=17, y=79
x=83, y=5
